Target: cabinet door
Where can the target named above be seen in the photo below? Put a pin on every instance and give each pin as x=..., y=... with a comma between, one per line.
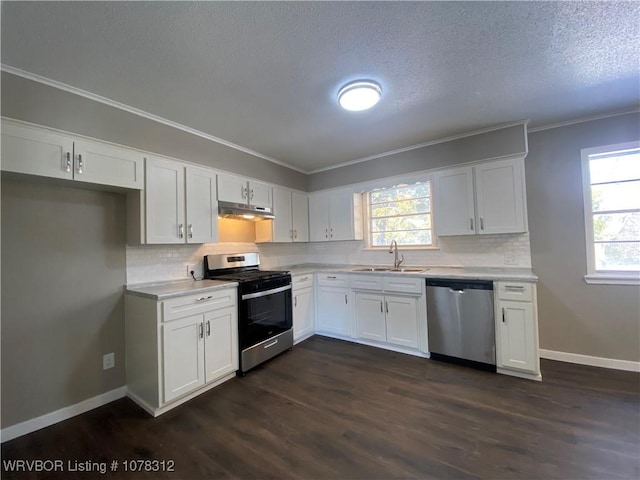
x=183, y=356
x=260, y=194
x=333, y=311
x=300, y=217
x=37, y=152
x=164, y=196
x=202, y=206
x=453, y=202
x=515, y=340
x=107, y=165
x=221, y=343
x=232, y=189
x=282, y=228
x=303, y=313
x=341, y=215
x=370, y=316
x=402, y=320
x=500, y=197
x=319, y=217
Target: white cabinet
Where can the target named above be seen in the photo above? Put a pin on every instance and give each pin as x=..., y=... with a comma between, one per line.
x=179, y=211
x=335, y=215
x=483, y=199
x=370, y=317
x=333, y=314
x=39, y=151
x=291, y=222
x=303, y=306
x=232, y=188
x=179, y=347
x=517, y=329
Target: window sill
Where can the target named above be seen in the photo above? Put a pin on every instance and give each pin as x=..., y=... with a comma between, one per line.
x=612, y=279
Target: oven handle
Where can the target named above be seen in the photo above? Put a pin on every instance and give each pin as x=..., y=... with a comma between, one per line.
x=265, y=293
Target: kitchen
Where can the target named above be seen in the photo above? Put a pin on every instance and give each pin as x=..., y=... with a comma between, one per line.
x=82, y=234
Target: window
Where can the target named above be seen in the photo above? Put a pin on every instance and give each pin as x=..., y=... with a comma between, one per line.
x=611, y=177
x=401, y=213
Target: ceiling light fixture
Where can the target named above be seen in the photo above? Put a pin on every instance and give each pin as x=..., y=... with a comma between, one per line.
x=359, y=95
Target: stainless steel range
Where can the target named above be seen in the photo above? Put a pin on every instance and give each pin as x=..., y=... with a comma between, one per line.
x=264, y=306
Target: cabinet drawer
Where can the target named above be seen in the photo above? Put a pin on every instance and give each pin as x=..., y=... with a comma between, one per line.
x=333, y=279
x=302, y=281
x=366, y=282
x=522, y=292
x=198, y=303
x=398, y=283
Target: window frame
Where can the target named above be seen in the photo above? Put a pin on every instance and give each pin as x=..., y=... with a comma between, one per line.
x=595, y=276
x=400, y=182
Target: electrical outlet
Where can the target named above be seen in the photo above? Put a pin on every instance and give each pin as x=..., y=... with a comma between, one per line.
x=510, y=260
x=108, y=361
x=192, y=268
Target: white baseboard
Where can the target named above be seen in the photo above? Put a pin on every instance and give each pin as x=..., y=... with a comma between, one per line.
x=613, y=363
x=28, y=426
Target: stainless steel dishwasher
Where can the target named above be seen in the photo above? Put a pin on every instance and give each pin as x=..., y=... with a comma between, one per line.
x=460, y=318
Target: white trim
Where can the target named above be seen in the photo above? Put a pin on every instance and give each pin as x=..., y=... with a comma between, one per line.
x=141, y=113
x=514, y=373
x=428, y=144
x=612, y=279
x=28, y=426
x=582, y=120
x=612, y=363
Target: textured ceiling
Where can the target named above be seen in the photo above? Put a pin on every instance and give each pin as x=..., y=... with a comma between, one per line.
x=264, y=75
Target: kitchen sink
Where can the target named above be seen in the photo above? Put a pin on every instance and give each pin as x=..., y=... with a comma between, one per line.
x=389, y=269
x=408, y=270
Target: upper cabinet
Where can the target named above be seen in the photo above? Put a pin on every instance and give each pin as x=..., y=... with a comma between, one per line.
x=240, y=190
x=335, y=215
x=39, y=151
x=483, y=199
x=291, y=222
x=181, y=204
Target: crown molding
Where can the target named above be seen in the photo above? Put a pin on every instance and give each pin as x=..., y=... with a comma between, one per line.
x=141, y=113
x=581, y=120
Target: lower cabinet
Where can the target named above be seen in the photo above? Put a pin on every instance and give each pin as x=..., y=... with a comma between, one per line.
x=333, y=313
x=180, y=347
x=303, y=307
x=517, y=330
x=387, y=318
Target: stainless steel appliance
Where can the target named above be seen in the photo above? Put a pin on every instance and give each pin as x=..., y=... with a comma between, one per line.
x=244, y=212
x=460, y=318
x=265, y=315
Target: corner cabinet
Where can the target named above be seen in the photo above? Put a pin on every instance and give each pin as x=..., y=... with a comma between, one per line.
x=517, y=351
x=291, y=222
x=335, y=215
x=483, y=199
x=180, y=203
x=179, y=347
x=33, y=150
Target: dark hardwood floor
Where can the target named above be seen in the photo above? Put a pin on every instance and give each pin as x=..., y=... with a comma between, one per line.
x=332, y=409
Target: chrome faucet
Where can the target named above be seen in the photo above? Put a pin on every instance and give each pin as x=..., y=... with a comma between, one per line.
x=394, y=249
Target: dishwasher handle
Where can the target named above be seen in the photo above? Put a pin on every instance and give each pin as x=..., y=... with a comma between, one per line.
x=456, y=285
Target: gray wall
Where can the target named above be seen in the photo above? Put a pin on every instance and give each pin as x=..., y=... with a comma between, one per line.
x=598, y=320
x=63, y=268
x=497, y=143
x=38, y=103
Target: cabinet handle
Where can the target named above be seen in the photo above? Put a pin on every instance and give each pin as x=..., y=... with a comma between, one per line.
x=190, y=231
x=471, y=223
x=67, y=163
x=201, y=330
x=295, y=301
x=304, y=279
x=386, y=306
x=330, y=276
x=80, y=164
x=291, y=234
x=243, y=191
x=381, y=306
x=503, y=316
x=331, y=232
x=326, y=233
x=345, y=298
x=295, y=234
x=251, y=198
x=202, y=299
x=516, y=288
x=208, y=328
x=181, y=231
x=481, y=223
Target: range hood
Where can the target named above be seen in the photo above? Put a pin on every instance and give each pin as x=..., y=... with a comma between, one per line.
x=244, y=212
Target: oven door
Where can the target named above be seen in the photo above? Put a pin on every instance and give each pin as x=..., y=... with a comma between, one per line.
x=264, y=314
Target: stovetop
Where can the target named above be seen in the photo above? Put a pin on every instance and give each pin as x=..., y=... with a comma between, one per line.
x=246, y=275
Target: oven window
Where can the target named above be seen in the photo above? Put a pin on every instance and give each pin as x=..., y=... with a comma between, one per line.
x=264, y=317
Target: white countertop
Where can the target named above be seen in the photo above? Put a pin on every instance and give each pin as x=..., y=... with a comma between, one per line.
x=476, y=273
x=176, y=288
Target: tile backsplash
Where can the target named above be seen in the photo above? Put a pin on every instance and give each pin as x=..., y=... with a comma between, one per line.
x=149, y=263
